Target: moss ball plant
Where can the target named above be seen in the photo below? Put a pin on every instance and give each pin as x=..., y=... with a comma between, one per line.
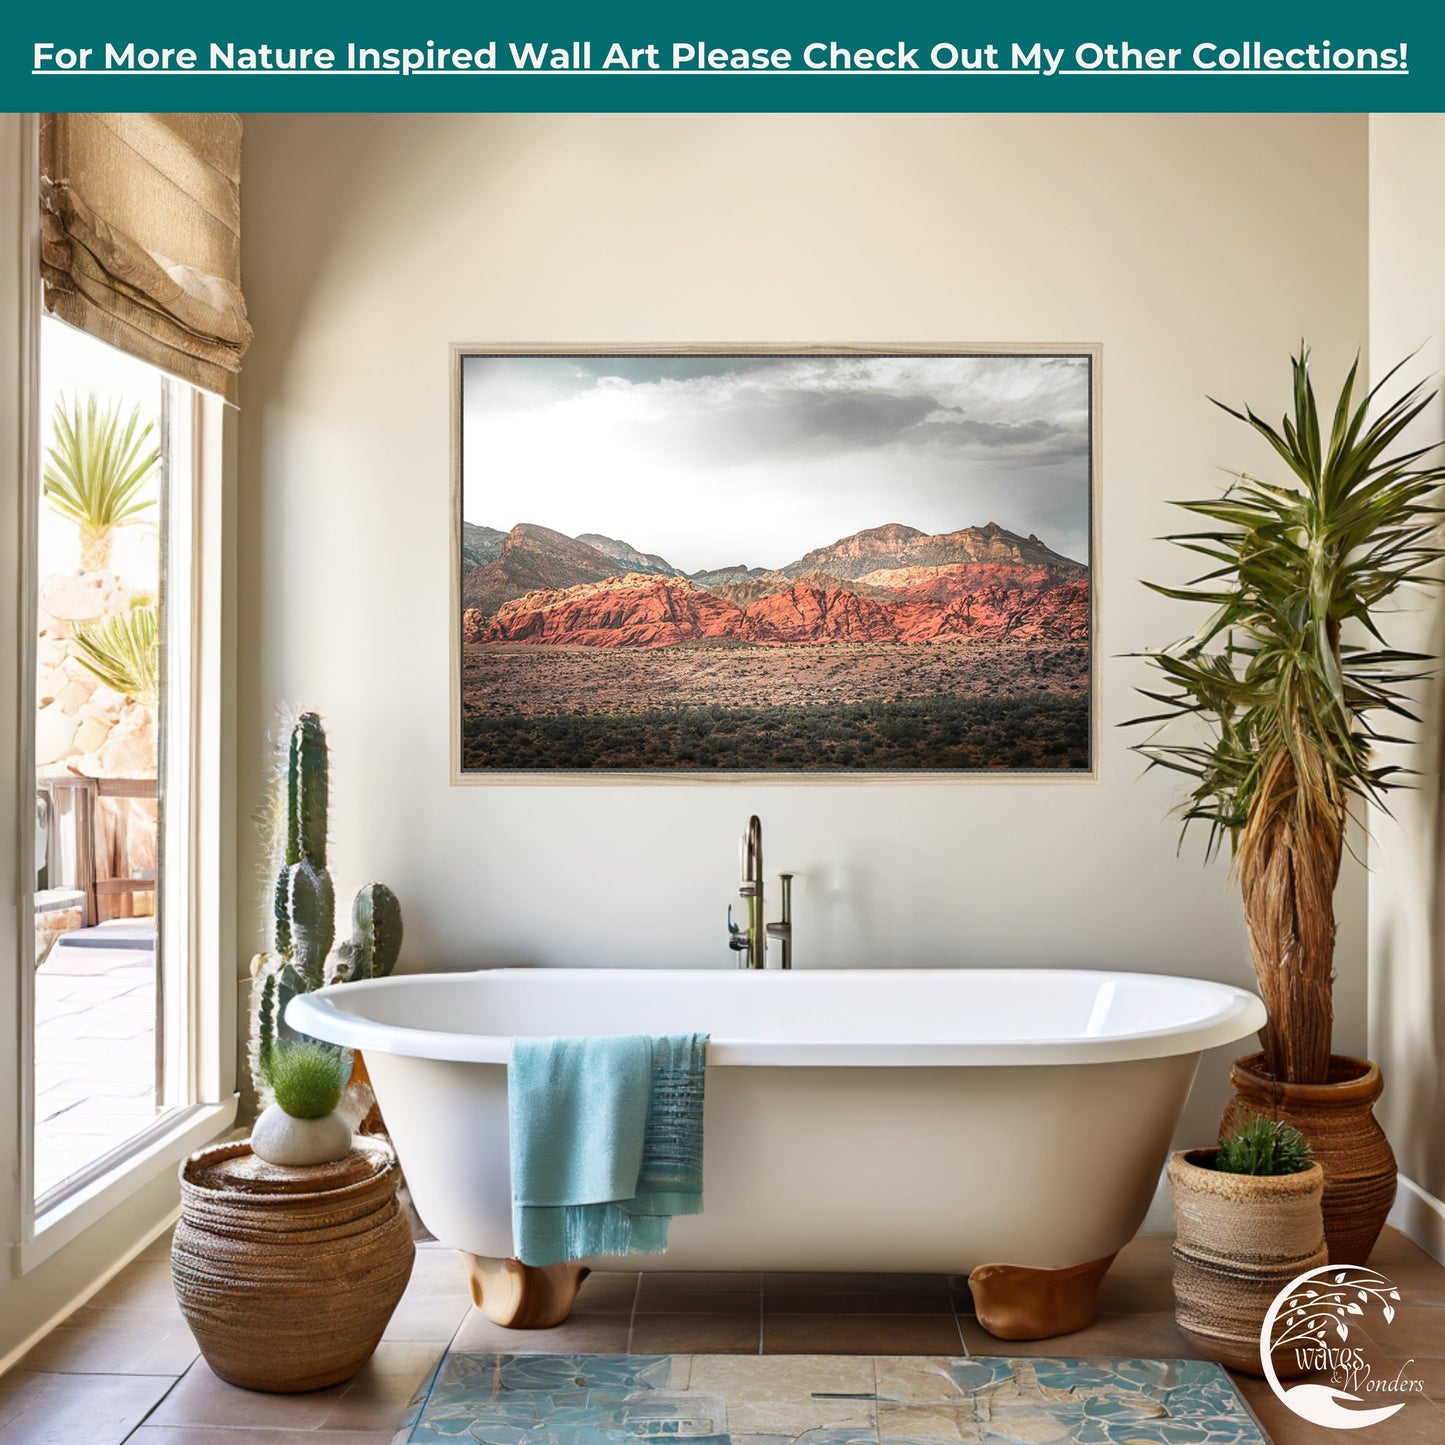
x=305, y=1077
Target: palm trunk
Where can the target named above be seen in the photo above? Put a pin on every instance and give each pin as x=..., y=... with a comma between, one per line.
x=1288, y=867
x=95, y=547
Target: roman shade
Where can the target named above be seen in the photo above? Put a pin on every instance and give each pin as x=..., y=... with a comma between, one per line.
x=141, y=238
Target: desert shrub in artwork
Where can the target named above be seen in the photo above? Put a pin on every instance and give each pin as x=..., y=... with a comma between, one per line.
x=1028, y=731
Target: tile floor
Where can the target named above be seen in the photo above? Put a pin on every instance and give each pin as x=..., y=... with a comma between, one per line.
x=95, y=1055
x=124, y=1368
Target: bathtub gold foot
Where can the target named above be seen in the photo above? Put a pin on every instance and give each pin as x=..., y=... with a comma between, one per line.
x=520, y=1296
x=1015, y=1302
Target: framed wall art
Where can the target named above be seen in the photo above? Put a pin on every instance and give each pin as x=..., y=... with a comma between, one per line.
x=791, y=563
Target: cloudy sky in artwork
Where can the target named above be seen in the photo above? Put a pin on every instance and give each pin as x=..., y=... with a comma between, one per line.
x=713, y=461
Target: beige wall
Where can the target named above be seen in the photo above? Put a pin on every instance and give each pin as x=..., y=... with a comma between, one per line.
x=1189, y=246
x=1407, y=881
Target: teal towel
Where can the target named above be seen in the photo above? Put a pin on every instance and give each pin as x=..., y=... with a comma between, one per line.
x=606, y=1143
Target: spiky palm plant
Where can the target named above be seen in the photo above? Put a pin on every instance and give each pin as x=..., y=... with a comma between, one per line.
x=123, y=651
x=96, y=468
x=1291, y=708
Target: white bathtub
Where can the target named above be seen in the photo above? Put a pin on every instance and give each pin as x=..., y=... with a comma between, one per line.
x=891, y=1120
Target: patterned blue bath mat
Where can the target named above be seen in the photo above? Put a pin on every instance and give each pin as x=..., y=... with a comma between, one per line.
x=826, y=1400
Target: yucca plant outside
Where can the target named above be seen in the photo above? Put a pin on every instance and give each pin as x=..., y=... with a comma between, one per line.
x=123, y=651
x=95, y=470
x=1292, y=680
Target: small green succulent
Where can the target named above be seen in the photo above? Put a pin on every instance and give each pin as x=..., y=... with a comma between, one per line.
x=1263, y=1146
x=306, y=1078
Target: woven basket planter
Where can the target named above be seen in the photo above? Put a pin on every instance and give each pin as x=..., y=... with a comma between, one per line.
x=1238, y=1240
x=287, y=1277
x=1338, y=1120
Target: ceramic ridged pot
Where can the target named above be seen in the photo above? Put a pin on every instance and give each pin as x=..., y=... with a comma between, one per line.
x=1238, y=1240
x=1338, y=1121
x=287, y=1277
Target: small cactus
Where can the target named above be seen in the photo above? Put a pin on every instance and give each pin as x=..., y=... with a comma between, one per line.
x=281, y=915
x=375, y=942
x=277, y=983
x=1263, y=1146
x=266, y=1024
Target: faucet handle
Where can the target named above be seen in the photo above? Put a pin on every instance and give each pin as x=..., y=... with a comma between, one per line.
x=786, y=889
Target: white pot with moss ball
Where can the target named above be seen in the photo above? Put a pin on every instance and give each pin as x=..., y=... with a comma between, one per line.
x=301, y=1126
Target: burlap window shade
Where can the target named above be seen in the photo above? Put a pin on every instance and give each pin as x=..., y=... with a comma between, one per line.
x=142, y=237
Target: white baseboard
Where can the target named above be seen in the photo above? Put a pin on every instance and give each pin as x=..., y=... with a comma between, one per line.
x=8, y=1359
x=1419, y=1216
x=88, y=1209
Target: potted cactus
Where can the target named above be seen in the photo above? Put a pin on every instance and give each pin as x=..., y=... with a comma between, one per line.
x=303, y=912
x=1247, y=1220
x=287, y=1276
x=293, y=1249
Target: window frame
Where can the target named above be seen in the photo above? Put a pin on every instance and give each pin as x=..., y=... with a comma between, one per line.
x=198, y=790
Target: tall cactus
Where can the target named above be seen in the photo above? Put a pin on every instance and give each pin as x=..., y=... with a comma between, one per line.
x=305, y=903
x=375, y=942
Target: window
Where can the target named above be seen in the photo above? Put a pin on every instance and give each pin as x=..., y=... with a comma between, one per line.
x=114, y=991
x=177, y=812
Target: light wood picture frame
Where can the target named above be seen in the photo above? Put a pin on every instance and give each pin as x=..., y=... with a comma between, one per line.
x=659, y=573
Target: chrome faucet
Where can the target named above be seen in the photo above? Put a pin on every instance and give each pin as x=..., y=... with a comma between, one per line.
x=752, y=942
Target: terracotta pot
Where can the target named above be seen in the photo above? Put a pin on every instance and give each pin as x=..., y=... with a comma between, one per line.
x=1338, y=1121
x=1238, y=1240
x=372, y=1123
x=287, y=1277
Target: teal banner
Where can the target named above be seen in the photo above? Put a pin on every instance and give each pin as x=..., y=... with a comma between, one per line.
x=743, y=57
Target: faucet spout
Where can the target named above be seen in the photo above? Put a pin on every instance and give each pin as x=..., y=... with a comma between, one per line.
x=754, y=955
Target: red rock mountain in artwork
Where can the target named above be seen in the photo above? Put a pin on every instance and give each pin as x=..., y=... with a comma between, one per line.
x=529, y=559
x=638, y=610
x=887, y=584
x=898, y=546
